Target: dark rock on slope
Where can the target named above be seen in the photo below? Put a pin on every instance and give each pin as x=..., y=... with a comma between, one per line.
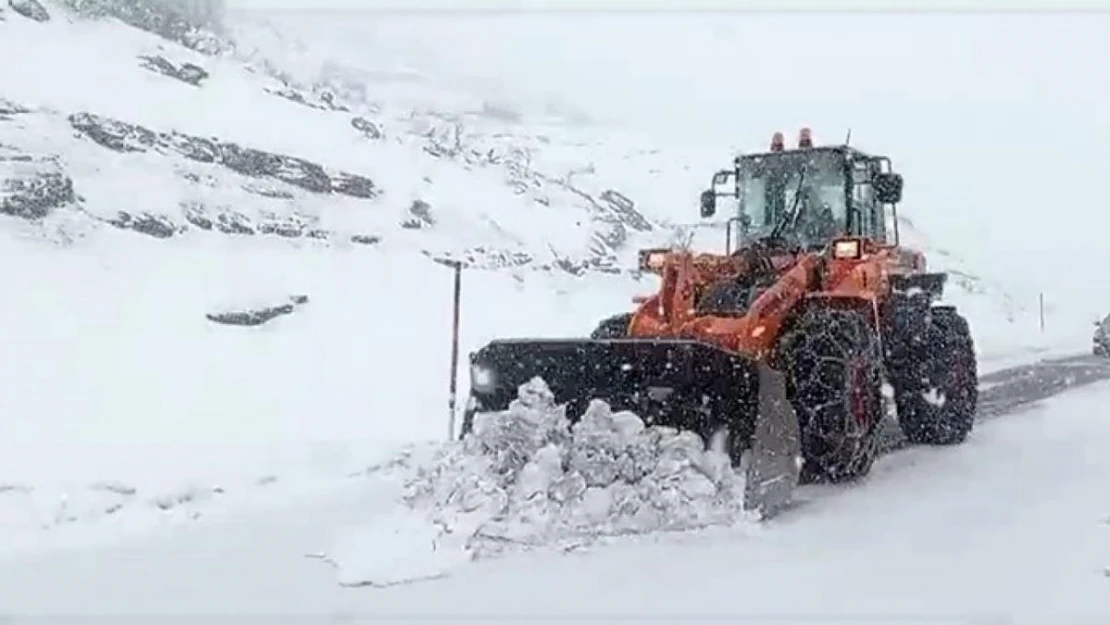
x=31, y=9
x=257, y=316
x=157, y=226
x=32, y=187
x=122, y=136
x=36, y=195
x=193, y=28
x=187, y=73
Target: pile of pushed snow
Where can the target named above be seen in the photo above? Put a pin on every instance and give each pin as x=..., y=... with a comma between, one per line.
x=527, y=478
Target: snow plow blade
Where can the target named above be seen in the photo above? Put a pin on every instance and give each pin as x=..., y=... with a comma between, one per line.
x=772, y=465
x=678, y=383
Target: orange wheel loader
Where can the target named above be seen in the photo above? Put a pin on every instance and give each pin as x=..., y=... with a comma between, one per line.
x=779, y=348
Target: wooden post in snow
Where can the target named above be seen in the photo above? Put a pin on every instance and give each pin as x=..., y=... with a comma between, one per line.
x=456, y=304
x=1040, y=305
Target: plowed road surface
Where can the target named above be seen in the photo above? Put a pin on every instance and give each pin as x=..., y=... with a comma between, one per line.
x=1010, y=390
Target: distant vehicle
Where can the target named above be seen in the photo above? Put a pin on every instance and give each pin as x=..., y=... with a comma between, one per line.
x=1100, y=343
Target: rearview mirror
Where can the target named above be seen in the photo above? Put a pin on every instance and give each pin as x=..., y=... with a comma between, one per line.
x=888, y=187
x=708, y=203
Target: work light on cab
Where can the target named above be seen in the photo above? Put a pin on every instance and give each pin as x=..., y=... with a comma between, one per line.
x=653, y=260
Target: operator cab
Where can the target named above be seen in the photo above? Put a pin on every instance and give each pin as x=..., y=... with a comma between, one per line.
x=809, y=196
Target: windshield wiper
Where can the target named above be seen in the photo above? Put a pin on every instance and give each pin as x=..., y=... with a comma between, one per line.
x=789, y=217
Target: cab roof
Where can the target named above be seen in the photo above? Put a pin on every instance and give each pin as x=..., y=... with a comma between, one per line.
x=842, y=150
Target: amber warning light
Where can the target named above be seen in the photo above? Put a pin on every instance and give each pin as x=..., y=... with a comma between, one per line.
x=777, y=142
x=805, y=138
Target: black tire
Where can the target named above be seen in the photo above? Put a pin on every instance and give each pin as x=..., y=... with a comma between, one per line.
x=614, y=327
x=944, y=363
x=835, y=385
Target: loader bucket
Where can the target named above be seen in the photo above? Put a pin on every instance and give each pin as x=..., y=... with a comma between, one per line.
x=665, y=381
x=684, y=384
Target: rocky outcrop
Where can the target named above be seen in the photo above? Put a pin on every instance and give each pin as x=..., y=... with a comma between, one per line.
x=9, y=109
x=32, y=187
x=271, y=191
x=352, y=185
x=420, y=216
x=165, y=19
x=31, y=9
x=613, y=213
x=485, y=258
x=620, y=208
x=601, y=264
x=112, y=134
x=322, y=100
x=187, y=73
x=125, y=137
x=366, y=239
x=259, y=315
x=157, y=226
x=295, y=226
x=368, y=128
x=35, y=196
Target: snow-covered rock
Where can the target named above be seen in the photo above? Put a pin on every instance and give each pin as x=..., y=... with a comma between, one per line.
x=32, y=187
x=257, y=314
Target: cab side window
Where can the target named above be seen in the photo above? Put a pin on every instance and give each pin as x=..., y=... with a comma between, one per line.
x=872, y=221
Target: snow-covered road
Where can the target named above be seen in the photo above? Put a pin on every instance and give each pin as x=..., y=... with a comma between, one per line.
x=1012, y=523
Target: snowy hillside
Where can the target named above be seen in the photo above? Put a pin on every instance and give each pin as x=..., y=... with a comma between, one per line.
x=150, y=208
x=230, y=149
x=154, y=185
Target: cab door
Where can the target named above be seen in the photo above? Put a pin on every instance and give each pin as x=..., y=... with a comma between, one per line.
x=869, y=217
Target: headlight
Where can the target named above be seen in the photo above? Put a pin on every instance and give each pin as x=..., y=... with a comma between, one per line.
x=481, y=378
x=848, y=249
x=653, y=260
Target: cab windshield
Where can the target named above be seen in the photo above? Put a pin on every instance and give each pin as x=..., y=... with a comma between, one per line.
x=769, y=186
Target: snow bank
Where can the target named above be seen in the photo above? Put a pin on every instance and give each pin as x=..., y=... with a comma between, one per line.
x=527, y=478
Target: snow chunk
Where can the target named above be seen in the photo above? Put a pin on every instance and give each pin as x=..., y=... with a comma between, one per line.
x=527, y=478
x=399, y=548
